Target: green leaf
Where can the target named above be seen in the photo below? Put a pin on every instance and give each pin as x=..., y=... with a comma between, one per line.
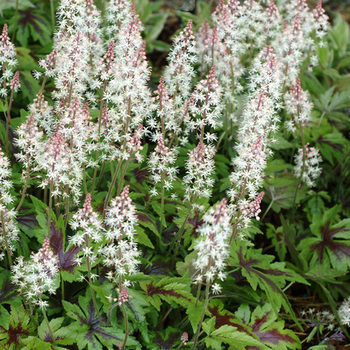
x=260, y=271
x=29, y=85
x=229, y=335
x=22, y=4
x=16, y=122
x=340, y=34
x=280, y=143
x=323, y=55
x=169, y=290
x=330, y=244
x=161, y=46
x=270, y=331
x=142, y=238
x=194, y=313
x=156, y=22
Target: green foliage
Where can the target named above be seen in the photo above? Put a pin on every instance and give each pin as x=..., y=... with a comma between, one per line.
x=299, y=248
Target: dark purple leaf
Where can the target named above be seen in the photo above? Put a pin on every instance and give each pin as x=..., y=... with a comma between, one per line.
x=338, y=248
x=93, y=323
x=28, y=17
x=332, y=144
x=141, y=175
x=272, y=336
x=66, y=260
x=27, y=221
x=6, y=291
x=223, y=317
x=144, y=218
x=195, y=222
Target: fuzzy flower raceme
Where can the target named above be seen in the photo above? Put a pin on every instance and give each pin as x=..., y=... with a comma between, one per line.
x=30, y=143
x=8, y=227
x=179, y=73
x=78, y=48
x=208, y=44
x=307, y=163
x=200, y=169
x=127, y=90
x=321, y=24
x=118, y=14
x=344, y=312
x=7, y=60
x=36, y=276
x=265, y=75
x=212, y=246
x=259, y=122
x=228, y=51
x=162, y=165
x=206, y=107
x=253, y=147
x=120, y=253
x=168, y=119
x=298, y=105
x=90, y=232
x=289, y=47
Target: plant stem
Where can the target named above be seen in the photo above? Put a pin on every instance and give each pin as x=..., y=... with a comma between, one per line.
x=120, y=185
x=24, y=189
x=93, y=296
x=202, y=317
x=115, y=176
x=50, y=208
x=110, y=313
x=267, y=210
x=8, y=122
x=48, y=323
x=179, y=234
x=162, y=206
x=163, y=319
x=198, y=294
x=126, y=326
x=62, y=288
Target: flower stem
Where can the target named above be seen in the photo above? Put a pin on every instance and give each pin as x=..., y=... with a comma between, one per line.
x=120, y=185
x=23, y=191
x=50, y=209
x=162, y=206
x=126, y=326
x=93, y=296
x=179, y=235
x=202, y=317
x=8, y=122
x=48, y=324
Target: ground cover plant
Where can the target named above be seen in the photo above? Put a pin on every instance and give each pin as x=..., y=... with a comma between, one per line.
x=183, y=193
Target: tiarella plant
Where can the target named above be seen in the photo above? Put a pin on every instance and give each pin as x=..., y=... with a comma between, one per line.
x=194, y=200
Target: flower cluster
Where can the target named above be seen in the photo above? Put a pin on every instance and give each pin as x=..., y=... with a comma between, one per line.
x=212, y=246
x=252, y=149
x=90, y=232
x=298, y=105
x=121, y=253
x=7, y=60
x=162, y=166
x=8, y=226
x=200, y=169
x=344, y=312
x=179, y=73
x=307, y=163
x=37, y=276
x=206, y=107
